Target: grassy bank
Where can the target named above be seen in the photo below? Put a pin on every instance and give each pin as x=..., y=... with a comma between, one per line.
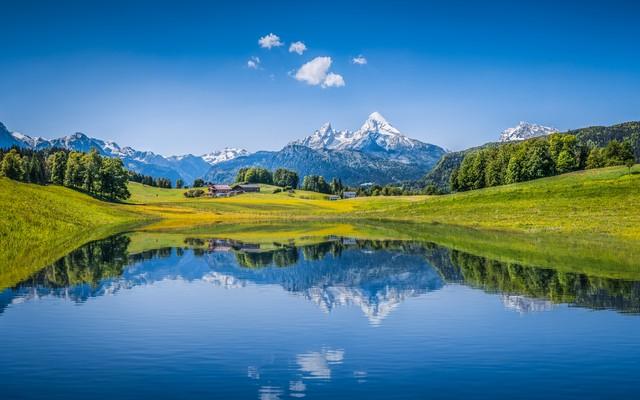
x=42, y=223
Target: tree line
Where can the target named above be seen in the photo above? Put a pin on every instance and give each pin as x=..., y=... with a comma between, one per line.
x=90, y=172
x=281, y=177
x=535, y=158
x=148, y=180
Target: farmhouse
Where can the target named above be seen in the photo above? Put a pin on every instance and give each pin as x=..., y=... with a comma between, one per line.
x=247, y=188
x=219, y=190
x=333, y=197
x=349, y=195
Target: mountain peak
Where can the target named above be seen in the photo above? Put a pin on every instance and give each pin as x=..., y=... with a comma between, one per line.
x=525, y=130
x=376, y=116
x=326, y=127
x=377, y=123
x=78, y=135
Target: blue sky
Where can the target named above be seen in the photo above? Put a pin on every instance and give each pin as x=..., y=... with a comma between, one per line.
x=173, y=77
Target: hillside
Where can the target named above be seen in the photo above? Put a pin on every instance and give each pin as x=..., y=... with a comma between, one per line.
x=590, y=136
x=584, y=203
x=42, y=223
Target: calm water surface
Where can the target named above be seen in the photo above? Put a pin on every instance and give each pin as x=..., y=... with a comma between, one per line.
x=342, y=319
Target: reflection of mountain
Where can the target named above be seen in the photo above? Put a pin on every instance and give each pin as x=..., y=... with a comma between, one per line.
x=375, y=276
x=524, y=304
x=334, y=274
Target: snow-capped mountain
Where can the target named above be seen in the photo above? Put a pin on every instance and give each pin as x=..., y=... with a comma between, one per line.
x=525, y=130
x=326, y=138
x=187, y=167
x=376, y=152
x=376, y=132
x=226, y=154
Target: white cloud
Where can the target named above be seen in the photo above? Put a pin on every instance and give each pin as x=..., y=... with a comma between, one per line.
x=314, y=71
x=360, y=60
x=297, y=47
x=253, y=63
x=333, y=80
x=269, y=41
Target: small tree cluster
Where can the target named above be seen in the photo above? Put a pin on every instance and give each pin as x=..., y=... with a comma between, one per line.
x=194, y=193
x=614, y=153
x=316, y=183
x=254, y=175
x=285, y=178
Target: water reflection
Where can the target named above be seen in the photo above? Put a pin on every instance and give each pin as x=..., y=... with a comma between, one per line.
x=376, y=276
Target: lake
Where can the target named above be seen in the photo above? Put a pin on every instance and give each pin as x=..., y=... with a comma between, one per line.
x=333, y=317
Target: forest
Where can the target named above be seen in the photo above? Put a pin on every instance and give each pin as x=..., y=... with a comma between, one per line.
x=99, y=176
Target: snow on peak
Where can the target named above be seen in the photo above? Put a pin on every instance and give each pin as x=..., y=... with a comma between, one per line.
x=375, y=133
x=525, y=130
x=377, y=123
x=226, y=154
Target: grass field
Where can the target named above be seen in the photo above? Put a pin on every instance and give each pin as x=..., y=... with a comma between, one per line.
x=594, y=214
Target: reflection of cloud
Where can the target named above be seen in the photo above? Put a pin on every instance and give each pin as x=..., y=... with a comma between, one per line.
x=524, y=304
x=317, y=363
x=360, y=376
x=297, y=388
x=253, y=373
x=269, y=392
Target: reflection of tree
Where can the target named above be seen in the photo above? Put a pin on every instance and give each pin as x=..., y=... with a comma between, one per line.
x=578, y=289
x=89, y=264
x=282, y=257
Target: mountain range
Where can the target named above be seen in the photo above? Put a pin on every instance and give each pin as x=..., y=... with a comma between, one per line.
x=187, y=167
x=376, y=152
